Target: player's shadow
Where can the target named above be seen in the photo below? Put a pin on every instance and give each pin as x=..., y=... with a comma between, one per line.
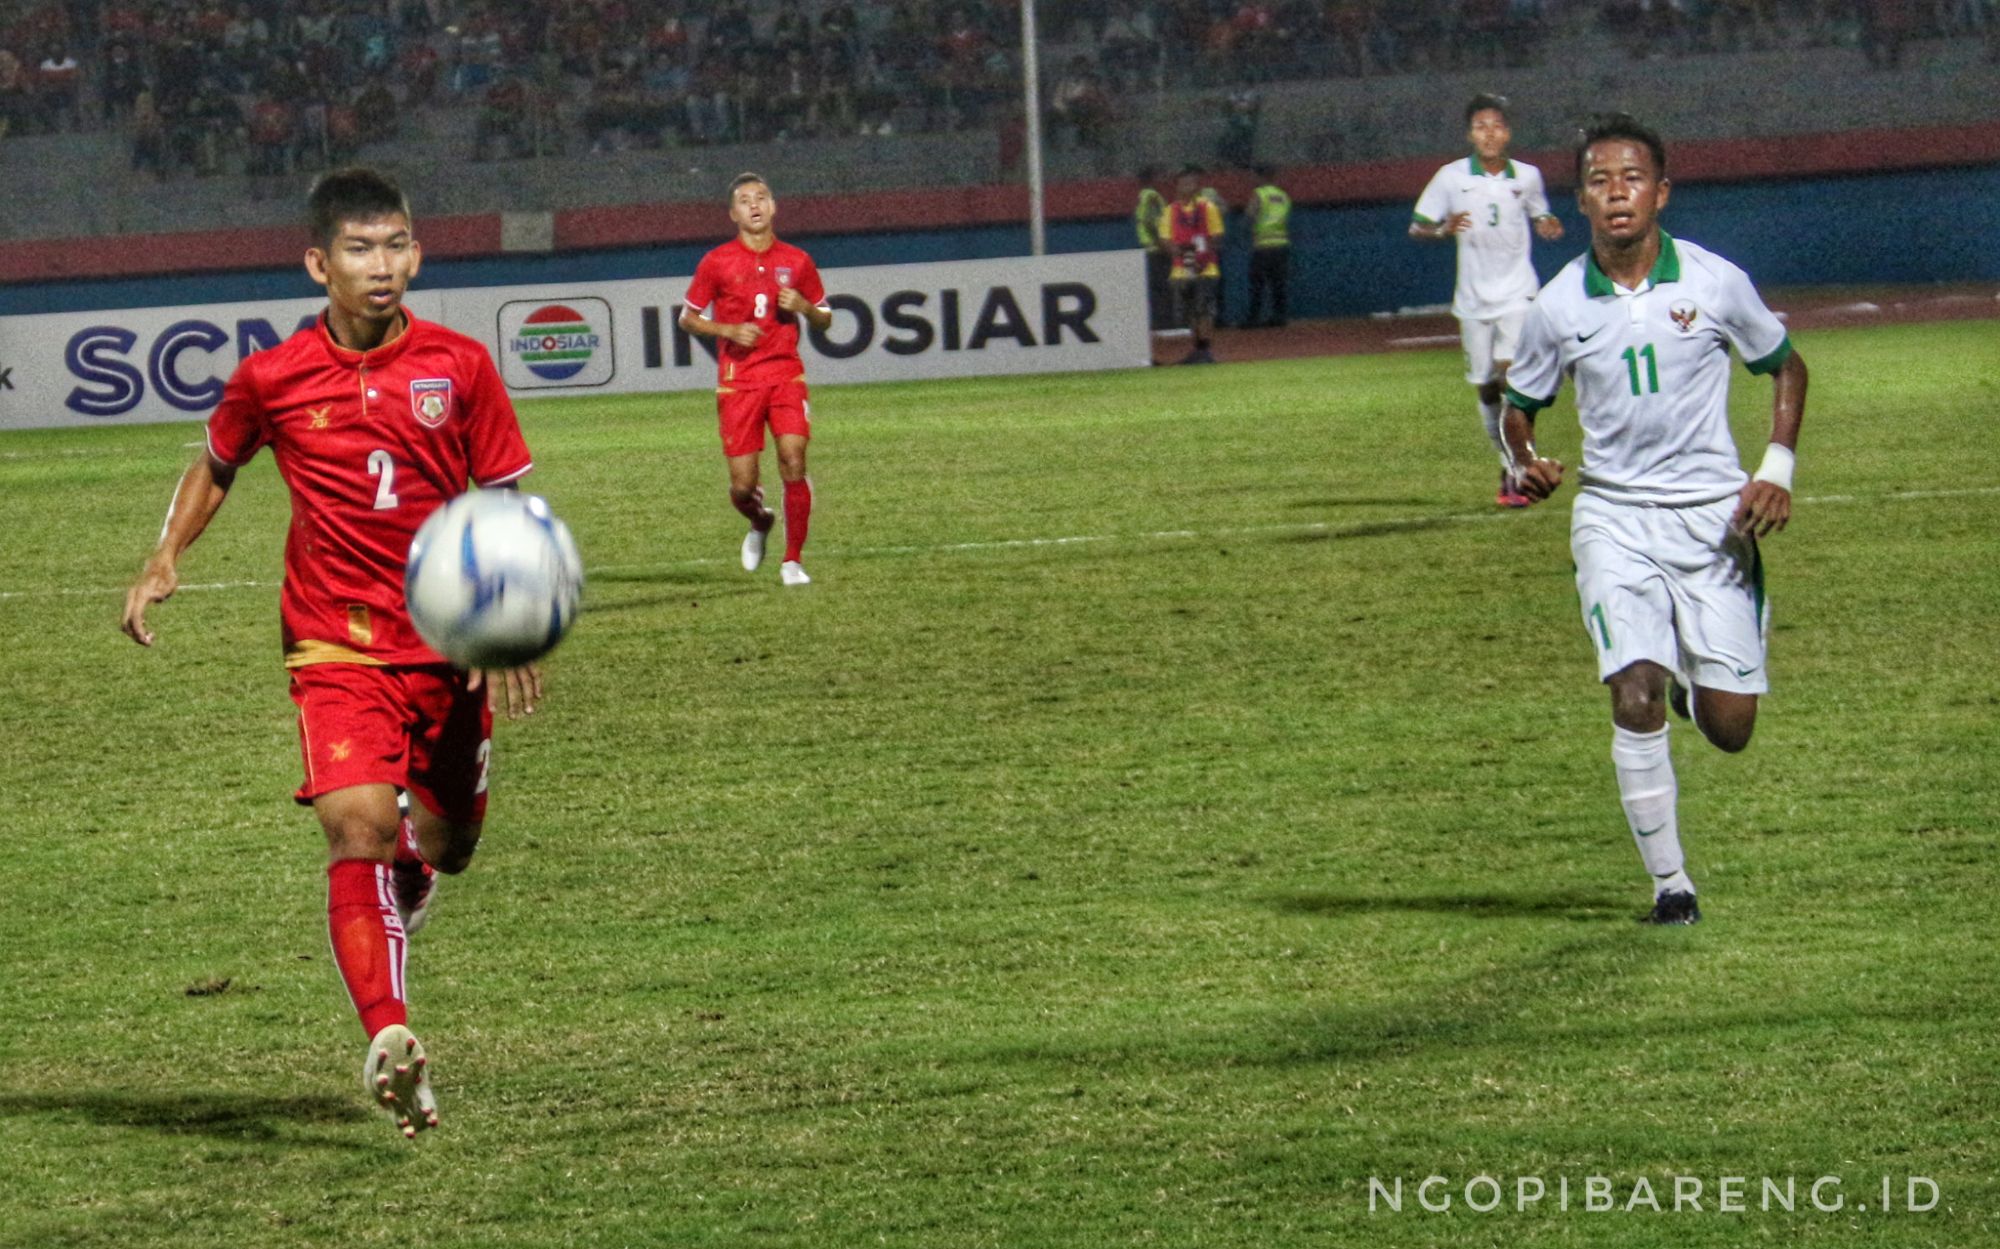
x=1499, y=1007
x=1357, y=500
x=614, y=592
x=1577, y=907
x=653, y=576
x=1366, y=529
x=227, y=1116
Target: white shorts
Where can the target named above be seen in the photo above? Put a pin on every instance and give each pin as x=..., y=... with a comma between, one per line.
x=1489, y=345
x=1673, y=585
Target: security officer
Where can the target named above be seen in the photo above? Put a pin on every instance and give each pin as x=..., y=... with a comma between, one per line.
x=1146, y=224
x=1270, y=213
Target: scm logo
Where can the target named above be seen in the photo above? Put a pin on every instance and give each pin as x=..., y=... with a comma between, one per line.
x=111, y=383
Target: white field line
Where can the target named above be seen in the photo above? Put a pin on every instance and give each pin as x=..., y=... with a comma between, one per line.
x=52, y=453
x=76, y=453
x=1008, y=544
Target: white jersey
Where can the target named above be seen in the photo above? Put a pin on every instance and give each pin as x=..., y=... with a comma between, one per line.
x=1652, y=371
x=1495, y=276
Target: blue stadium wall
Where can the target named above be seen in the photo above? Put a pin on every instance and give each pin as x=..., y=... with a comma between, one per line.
x=1350, y=259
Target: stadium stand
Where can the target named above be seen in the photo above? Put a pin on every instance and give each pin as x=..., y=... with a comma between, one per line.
x=512, y=105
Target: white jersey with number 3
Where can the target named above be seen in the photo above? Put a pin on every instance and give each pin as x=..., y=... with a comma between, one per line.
x=1652, y=371
x=1495, y=276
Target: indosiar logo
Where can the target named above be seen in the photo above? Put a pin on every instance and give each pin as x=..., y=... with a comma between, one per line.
x=556, y=344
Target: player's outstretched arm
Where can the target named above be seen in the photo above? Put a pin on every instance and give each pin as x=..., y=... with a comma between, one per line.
x=1765, y=505
x=196, y=500
x=1534, y=475
x=512, y=691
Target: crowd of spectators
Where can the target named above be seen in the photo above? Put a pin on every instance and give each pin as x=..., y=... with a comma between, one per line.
x=206, y=85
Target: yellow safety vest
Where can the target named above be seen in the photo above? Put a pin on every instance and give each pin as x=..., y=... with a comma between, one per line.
x=1146, y=217
x=1274, y=212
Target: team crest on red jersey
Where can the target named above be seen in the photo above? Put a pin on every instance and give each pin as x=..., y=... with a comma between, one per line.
x=430, y=400
x=1683, y=314
x=784, y=275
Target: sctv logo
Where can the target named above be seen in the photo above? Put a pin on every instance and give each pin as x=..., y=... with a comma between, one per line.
x=112, y=383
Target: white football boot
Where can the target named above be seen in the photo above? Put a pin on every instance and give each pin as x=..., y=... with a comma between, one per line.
x=791, y=572
x=394, y=1076
x=753, y=542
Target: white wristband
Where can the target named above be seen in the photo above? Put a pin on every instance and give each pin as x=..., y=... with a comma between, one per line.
x=1777, y=467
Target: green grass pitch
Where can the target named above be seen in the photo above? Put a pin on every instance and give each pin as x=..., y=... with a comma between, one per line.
x=1180, y=798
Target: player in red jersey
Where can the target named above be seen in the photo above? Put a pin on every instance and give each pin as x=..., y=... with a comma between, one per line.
x=375, y=419
x=759, y=287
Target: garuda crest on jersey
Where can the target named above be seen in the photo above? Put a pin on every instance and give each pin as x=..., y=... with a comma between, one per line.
x=1683, y=314
x=430, y=400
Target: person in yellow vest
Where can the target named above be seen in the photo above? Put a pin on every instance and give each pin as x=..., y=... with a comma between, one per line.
x=1192, y=228
x=1270, y=214
x=1146, y=218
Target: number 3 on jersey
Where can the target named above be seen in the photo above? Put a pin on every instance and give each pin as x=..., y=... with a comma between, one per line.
x=382, y=467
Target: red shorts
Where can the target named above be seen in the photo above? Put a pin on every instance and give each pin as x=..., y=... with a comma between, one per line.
x=417, y=728
x=746, y=409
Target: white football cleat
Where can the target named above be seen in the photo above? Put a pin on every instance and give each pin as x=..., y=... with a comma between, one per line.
x=412, y=885
x=753, y=542
x=791, y=572
x=394, y=1076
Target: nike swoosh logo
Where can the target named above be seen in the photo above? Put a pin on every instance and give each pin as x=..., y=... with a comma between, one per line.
x=1744, y=672
x=1648, y=832
x=1584, y=338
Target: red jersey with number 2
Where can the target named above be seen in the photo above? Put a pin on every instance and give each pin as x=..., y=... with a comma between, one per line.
x=743, y=286
x=369, y=444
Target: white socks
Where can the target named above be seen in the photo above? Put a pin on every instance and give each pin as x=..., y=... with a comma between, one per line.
x=1490, y=413
x=1647, y=790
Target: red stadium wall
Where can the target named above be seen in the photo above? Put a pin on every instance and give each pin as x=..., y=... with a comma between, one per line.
x=1722, y=160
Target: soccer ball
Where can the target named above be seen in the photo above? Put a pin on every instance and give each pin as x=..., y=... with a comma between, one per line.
x=493, y=579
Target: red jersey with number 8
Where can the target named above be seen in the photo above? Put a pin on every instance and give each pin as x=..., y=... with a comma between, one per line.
x=369, y=444
x=743, y=285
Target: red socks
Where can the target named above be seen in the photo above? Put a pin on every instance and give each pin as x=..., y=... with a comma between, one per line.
x=368, y=940
x=798, y=514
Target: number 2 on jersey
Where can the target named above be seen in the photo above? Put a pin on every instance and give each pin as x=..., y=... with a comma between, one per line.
x=382, y=465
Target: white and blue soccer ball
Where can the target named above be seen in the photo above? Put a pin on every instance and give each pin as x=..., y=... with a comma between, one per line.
x=494, y=579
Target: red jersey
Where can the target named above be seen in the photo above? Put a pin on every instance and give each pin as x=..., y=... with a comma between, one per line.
x=743, y=285
x=370, y=444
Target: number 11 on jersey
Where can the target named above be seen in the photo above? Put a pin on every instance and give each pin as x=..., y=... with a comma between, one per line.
x=1631, y=359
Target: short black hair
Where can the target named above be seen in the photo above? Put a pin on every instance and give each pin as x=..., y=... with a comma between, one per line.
x=1620, y=126
x=355, y=193
x=1483, y=101
x=744, y=179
